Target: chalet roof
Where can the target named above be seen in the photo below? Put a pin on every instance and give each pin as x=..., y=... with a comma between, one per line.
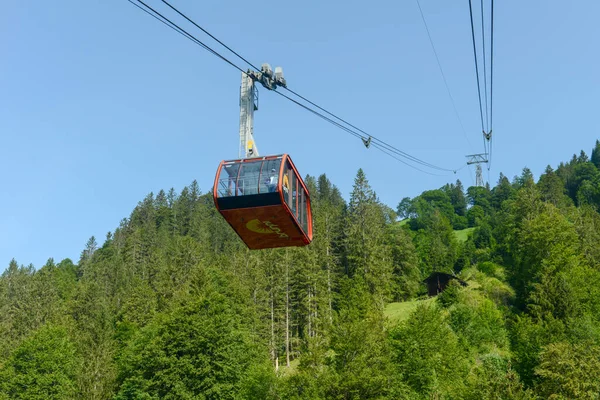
x=434, y=276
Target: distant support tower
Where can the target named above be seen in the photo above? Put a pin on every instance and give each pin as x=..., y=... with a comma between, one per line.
x=477, y=159
x=249, y=104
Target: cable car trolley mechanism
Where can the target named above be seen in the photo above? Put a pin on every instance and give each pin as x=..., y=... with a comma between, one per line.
x=263, y=198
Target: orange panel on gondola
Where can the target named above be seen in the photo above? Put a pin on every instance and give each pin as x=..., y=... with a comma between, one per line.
x=265, y=201
x=265, y=227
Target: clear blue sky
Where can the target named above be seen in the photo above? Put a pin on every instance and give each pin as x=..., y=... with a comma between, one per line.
x=100, y=104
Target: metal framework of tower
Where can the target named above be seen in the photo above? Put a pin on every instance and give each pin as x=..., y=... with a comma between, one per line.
x=249, y=104
x=477, y=159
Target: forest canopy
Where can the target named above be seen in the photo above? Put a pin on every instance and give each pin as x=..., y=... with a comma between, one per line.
x=173, y=305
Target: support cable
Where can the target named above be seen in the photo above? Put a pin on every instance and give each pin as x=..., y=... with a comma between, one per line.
x=442, y=72
x=492, y=69
x=485, y=86
x=384, y=147
x=181, y=31
x=476, y=66
x=390, y=147
x=385, y=151
x=209, y=34
x=491, y=84
x=350, y=131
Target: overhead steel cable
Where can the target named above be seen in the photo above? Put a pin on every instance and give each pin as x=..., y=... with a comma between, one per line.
x=181, y=31
x=318, y=114
x=489, y=163
x=491, y=83
x=485, y=86
x=492, y=68
x=209, y=34
x=384, y=147
x=367, y=135
x=166, y=23
x=476, y=65
x=390, y=149
x=442, y=73
x=408, y=156
x=383, y=150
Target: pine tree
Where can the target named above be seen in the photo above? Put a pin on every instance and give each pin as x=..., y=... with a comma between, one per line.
x=20, y=312
x=544, y=238
x=552, y=188
x=328, y=217
x=502, y=192
x=367, y=255
x=172, y=199
x=587, y=224
x=595, y=159
x=163, y=211
x=457, y=197
x=583, y=172
x=194, y=193
x=93, y=323
x=436, y=244
x=361, y=362
x=90, y=247
x=526, y=178
x=406, y=274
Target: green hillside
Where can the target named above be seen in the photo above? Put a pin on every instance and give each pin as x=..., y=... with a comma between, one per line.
x=400, y=311
x=463, y=234
x=173, y=305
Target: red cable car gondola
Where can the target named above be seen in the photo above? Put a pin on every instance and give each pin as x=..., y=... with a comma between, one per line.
x=265, y=201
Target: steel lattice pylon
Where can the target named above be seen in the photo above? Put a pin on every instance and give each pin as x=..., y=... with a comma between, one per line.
x=477, y=159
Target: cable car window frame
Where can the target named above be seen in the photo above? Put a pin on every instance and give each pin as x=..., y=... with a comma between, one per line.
x=227, y=187
x=238, y=183
x=296, y=199
x=305, y=221
x=260, y=174
x=270, y=164
x=250, y=180
x=286, y=171
x=295, y=196
x=303, y=210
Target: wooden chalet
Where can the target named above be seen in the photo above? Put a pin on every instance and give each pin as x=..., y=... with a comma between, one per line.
x=438, y=281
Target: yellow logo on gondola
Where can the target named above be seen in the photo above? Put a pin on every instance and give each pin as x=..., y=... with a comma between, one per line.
x=265, y=227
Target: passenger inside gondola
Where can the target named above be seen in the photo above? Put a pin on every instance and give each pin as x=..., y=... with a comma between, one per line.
x=286, y=184
x=273, y=180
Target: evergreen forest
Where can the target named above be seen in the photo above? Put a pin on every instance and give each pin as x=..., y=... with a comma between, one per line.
x=173, y=305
